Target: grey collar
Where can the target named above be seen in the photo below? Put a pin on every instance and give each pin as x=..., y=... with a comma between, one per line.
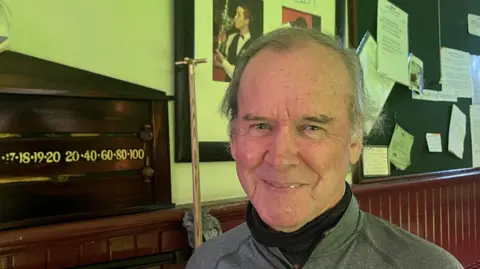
x=343, y=232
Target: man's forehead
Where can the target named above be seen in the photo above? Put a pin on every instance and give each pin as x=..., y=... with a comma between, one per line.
x=306, y=70
x=300, y=47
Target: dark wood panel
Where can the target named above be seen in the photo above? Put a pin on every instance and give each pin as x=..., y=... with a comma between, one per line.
x=94, y=252
x=28, y=259
x=161, y=153
x=62, y=256
x=122, y=247
x=87, y=194
x=24, y=74
x=36, y=157
x=36, y=114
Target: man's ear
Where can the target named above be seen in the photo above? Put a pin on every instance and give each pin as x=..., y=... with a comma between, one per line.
x=233, y=149
x=356, y=149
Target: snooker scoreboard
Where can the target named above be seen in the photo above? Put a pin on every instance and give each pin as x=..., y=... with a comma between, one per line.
x=78, y=145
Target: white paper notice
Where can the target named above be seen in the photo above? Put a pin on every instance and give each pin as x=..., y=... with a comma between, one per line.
x=475, y=131
x=435, y=96
x=475, y=70
x=434, y=142
x=392, y=37
x=473, y=24
x=400, y=148
x=456, y=132
x=377, y=87
x=375, y=161
x=456, y=78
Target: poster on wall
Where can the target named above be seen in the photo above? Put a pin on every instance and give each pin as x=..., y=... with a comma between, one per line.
x=295, y=18
x=236, y=23
x=220, y=31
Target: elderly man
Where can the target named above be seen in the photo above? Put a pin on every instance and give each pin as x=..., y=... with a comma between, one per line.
x=296, y=106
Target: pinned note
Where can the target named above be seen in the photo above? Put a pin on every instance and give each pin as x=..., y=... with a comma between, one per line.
x=434, y=142
x=475, y=70
x=456, y=132
x=375, y=161
x=475, y=132
x=473, y=24
x=456, y=77
x=377, y=87
x=399, y=150
x=392, y=35
x=435, y=96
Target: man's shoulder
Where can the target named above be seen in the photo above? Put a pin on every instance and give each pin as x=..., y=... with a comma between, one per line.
x=398, y=246
x=211, y=251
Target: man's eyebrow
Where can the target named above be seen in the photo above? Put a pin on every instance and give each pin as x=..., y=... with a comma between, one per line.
x=250, y=117
x=321, y=119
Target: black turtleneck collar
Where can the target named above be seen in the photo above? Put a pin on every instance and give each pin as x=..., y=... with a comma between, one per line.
x=299, y=245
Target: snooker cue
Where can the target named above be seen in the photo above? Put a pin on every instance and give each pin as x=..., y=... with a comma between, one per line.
x=197, y=213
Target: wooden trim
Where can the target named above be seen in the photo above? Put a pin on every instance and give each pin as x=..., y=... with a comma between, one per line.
x=418, y=178
x=23, y=74
x=113, y=226
x=98, y=228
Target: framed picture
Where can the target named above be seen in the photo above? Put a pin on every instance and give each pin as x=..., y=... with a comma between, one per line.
x=220, y=30
x=295, y=18
x=352, y=23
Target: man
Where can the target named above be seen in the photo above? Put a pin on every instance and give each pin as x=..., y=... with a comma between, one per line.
x=296, y=106
x=237, y=42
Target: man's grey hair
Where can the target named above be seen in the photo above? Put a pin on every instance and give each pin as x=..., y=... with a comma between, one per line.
x=285, y=39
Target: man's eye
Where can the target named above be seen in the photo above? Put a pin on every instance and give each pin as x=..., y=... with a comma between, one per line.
x=261, y=126
x=313, y=131
x=259, y=129
x=310, y=128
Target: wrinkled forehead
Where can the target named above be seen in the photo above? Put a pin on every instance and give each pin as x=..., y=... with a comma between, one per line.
x=308, y=75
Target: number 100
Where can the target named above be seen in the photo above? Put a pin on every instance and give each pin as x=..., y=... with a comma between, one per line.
x=136, y=154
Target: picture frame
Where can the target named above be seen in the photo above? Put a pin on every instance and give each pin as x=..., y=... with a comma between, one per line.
x=353, y=37
x=185, y=25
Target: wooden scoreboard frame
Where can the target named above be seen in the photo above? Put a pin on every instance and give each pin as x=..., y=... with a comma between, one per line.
x=77, y=145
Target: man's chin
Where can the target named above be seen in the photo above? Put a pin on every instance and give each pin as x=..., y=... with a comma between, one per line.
x=281, y=221
x=283, y=209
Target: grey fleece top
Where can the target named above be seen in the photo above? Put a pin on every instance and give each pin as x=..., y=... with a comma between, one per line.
x=358, y=241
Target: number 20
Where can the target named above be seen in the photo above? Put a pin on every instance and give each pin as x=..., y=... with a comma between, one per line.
x=72, y=156
x=53, y=157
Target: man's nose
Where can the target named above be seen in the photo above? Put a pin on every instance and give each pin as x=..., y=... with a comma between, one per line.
x=283, y=150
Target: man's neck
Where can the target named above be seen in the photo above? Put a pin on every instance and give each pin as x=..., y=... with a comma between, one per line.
x=299, y=245
x=244, y=31
x=333, y=202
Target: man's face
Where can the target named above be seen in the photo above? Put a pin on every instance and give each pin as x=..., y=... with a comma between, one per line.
x=240, y=20
x=292, y=140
